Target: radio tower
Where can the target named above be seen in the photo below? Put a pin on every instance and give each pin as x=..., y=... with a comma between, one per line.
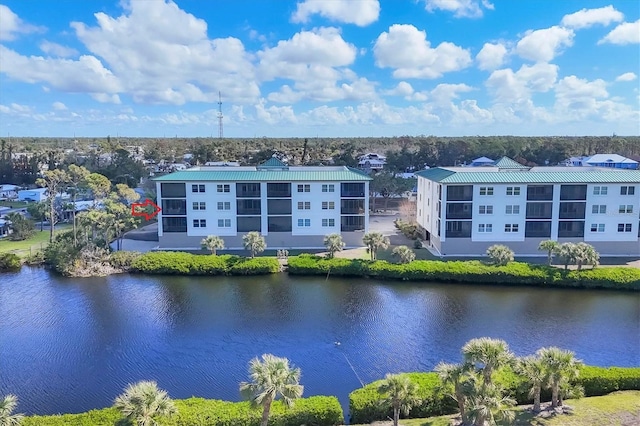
x=220, y=130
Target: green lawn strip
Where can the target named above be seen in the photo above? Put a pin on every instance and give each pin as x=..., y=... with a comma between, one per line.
x=13, y=204
x=617, y=408
x=36, y=242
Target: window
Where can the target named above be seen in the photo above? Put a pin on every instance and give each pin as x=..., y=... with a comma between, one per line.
x=597, y=227
x=279, y=190
x=599, y=209
x=511, y=227
x=304, y=205
x=223, y=188
x=513, y=190
x=304, y=188
x=624, y=227
x=224, y=205
x=328, y=222
x=199, y=223
x=627, y=190
x=625, y=209
x=485, y=227
x=304, y=223
x=200, y=205
x=224, y=223
x=457, y=192
x=486, y=210
x=197, y=188
x=328, y=205
x=174, y=224
x=512, y=209
x=171, y=190
x=486, y=190
x=600, y=190
x=174, y=207
x=328, y=188
x=537, y=229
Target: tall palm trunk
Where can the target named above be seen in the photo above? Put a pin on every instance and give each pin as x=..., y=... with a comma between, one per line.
x=52, y=213
x=265, y=410
x=536, y=398
x=554, y=395
x=396, y=415
x=461, y=406
x=73, y=213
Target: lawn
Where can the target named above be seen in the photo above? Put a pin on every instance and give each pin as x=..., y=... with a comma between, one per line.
x=615, y=409
x=13, y=204
x=36, y=242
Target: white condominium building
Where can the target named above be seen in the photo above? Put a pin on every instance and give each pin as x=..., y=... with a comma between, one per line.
x=464, y=210
x=292, y=207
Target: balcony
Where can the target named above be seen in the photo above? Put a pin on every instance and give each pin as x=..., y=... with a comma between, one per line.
x=352, y=190
x=351, y=223
x=279, y=190
x=174, y=207
x=247, y=190
x=248, y=207
x=352, y=207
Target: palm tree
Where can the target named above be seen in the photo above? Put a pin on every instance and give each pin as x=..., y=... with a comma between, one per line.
x=254, y=242
x=487, y=355
x=566, y=252
x=53, y=181
x=374, y=242
x=141, y=402
x=334, y=244
x=585, y=254
x=487, y=403
x=270, y=378
x=7, y=405
x=550, y=247
x=561, y=366
x=532, y=368
x=400, y=393
x=500, y=255
x=76, y=177
x=457, y=376
x=404, y=254
x=212, y=243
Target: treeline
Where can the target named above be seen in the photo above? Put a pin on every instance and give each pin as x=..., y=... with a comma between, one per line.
x=403, y=152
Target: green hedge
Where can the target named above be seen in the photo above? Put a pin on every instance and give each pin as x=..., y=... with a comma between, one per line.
x=364, y=405
x=10, y=262
x=316, y=410
x=472, y=271
x=181, y=263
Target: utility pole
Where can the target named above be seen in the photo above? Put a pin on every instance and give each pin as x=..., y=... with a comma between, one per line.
x=220, y=130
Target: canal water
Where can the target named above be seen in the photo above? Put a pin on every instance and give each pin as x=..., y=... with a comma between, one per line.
x=70, y=345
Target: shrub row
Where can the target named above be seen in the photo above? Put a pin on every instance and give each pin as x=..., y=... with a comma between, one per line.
x=180, y=263
x=316, y=410
x=471, y=271
x=365, y=407
x=10, y=262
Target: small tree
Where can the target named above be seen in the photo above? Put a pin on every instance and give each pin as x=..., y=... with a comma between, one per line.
x=374, y=242
x=533, y=370
x=487, y=355
x=566, y=252
x=334, y=244
x=404, y=254
x=53, y=181
x=500, y=255
x=7, y=405
x=561, y=367
x=270, y=378
x=400, y=393
x=21, y=226
x=487, y=404
x=550, y=247
x=212, y=243
x=585, y=254
x=254, y=242
x=142, y=402
x=456, y=375
x=38, y=212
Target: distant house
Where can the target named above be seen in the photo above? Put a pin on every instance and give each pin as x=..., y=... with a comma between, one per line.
x=8, y=191
x=4, y=227
x=372, y=162
x=614, y=161
x=36, y=194
x=222, y=163
x=80, y=206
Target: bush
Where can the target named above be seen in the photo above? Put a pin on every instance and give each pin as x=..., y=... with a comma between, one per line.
x=123, y=259
x=181, y=263
x=409, y=229
x=36, y=258
x=10, y=262
x=471, y=272
x=364, y=403
x=316, y=410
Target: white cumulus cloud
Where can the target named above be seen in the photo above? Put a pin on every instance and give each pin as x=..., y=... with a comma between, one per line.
x=491, y=56
x=11, y=25
x=360, y=13
x=544, y=45
x=627, y=76
x=586, y=18
x=626, y=33
x=407, y=50
x=59, y=106
x=516, y=87
x=56, y=49
x=460, y=8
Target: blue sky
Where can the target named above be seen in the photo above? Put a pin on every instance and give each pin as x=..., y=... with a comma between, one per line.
x=319, y=67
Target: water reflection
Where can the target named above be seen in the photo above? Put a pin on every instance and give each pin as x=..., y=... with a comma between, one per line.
x=72, y=345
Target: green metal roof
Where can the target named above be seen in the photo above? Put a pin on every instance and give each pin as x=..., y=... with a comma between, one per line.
x=243, y=175
x=446, y=176
x=273, y=162
x=508, y=163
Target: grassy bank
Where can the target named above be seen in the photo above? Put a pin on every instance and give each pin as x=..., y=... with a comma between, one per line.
x=469, y=272
x=615, y=409
x=180, y=263
x=36, y=242
x=315, y=410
